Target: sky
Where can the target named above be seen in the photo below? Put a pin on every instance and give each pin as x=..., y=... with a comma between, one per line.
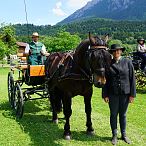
x=39, y=12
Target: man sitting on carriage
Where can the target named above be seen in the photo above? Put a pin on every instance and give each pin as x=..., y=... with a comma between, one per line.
x=141, y=48
x=36, y=51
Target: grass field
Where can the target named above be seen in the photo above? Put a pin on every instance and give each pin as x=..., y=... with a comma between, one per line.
x=36, y=129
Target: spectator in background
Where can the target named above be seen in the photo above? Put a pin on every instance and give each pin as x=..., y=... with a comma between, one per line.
x=141, y=48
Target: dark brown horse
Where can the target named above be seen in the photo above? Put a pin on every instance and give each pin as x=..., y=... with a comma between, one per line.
x=74, y=74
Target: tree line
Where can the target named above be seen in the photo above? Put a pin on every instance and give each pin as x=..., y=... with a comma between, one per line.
x=61, y=41
x=117, y=29
x=66, y=37
x=7, y=41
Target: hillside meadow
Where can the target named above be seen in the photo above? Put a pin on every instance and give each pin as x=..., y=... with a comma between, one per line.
x=36, y=129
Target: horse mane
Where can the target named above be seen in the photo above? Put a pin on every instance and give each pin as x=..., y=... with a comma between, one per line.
x=83, y=45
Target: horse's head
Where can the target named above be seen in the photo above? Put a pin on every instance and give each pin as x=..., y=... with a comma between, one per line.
x=99, y=59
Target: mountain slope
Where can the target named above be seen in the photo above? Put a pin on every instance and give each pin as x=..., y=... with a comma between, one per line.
x=113, y=9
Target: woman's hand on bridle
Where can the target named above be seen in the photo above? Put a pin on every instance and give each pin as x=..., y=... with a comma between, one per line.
x=131, y=99
x=106, y=99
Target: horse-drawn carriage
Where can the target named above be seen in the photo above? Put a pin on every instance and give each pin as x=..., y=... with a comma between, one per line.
x=31, y=75
x=139, y=72
x=63, y=77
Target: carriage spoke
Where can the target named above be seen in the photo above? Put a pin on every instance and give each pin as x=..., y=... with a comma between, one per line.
x=18, y=101
x=10, y=85
x=140, y=79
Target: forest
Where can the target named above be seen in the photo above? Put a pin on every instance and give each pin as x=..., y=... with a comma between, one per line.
x=67, y=37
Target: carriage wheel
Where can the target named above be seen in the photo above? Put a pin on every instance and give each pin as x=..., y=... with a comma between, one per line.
x=140, y=79
x=18, y=101
x=10, y=88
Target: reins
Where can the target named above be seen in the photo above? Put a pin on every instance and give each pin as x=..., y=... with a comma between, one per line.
x=89, y=76
x=83, y=75
x=79, y=76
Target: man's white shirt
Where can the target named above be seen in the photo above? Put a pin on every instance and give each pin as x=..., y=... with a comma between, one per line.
x=27, y=48
x=141, y=48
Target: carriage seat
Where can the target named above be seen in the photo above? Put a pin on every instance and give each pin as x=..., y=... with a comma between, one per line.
x=37, y=70
x=22, y=61
x=22, y=58
x=136, y=60
x=136, y=56
x=22, y=67
x=35, y=75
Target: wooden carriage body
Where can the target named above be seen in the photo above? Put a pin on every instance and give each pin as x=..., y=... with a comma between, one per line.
x=31, y=74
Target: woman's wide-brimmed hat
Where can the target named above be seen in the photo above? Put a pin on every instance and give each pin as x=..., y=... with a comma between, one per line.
x=35, y=34
x=141, y=39
x=116, y=47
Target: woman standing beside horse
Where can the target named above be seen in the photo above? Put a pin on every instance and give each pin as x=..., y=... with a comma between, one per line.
x=119, y=90
x=76, y=76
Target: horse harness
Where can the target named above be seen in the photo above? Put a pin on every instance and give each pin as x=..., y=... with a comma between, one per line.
x=67, y=74
x=84, y=75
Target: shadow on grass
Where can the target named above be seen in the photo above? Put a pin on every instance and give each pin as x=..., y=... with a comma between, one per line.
x=82, y=136
x=141, y=90
x=7, y=111
x=36, y=106
x=32, y=107
x=40, y=128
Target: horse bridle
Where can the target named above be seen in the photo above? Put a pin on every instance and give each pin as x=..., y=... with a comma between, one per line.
x=90, y=75
x=98, y=47
x=89, y=53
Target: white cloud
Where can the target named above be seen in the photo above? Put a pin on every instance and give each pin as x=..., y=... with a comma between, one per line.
x=57, y=10
x=77, y=3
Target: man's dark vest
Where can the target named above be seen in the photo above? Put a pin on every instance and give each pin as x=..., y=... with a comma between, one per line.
x=35, y=57
x=35, y=48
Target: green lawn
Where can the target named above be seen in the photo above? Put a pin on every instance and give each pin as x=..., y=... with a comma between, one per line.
x=36, y=129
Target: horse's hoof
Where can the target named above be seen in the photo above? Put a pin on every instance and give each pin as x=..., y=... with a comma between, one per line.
x=55, y=121
x=67, y=137
x=90, y=133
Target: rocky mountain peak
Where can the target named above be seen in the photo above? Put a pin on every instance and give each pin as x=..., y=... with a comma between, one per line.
x=112, y=9
x=119, y=4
